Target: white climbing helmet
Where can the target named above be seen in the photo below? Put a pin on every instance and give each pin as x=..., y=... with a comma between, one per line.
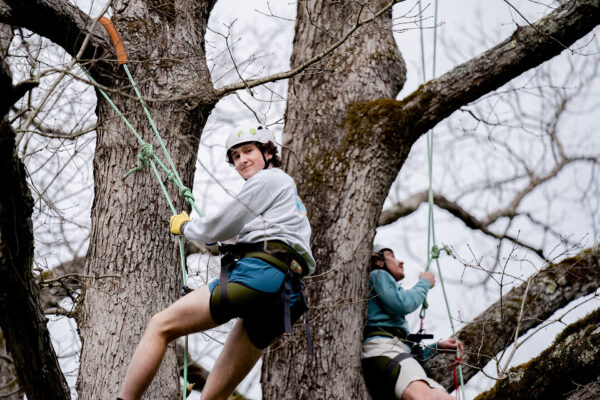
x=244, y=135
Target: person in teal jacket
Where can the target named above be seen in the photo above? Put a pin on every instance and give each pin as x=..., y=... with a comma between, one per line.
x=391, y=366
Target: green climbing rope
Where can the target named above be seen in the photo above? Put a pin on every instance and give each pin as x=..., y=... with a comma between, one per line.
x=434, y=253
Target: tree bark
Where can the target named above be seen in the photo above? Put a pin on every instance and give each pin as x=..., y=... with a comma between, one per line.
x=10, y=387
x=343, y=188
x=494, y=329
x=591, y=391
x=129, y=234
x=51, y=297
x=571, y=361
x=135, y=264
x=21, y=318
x=346, y=140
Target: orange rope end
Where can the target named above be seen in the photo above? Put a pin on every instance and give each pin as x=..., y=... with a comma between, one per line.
x=116, y=39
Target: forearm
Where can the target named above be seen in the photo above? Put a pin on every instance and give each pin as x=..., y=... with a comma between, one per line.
x=405, y=301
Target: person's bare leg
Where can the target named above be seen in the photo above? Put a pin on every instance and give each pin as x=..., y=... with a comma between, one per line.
x=233, y=364
x=419, y=390
x=187, y=315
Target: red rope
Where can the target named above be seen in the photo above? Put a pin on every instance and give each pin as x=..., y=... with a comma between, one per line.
x=456, y=383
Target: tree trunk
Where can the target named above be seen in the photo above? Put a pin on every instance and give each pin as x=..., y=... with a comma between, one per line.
x=346, y=139
x=343, y=179
x=21, y=318
x=10, y=387
x=132, y=254
x=572, y=360
x=494, y=329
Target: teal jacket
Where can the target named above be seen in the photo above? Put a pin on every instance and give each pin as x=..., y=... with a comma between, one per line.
x=389, y=302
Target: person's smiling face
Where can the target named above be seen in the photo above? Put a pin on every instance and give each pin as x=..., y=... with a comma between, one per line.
x=248, y=159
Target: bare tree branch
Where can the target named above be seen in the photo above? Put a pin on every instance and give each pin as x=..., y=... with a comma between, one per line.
x=64, y=285
x=59, y=21
x=527, y=47
x=591, y=391
x=410, y=205
x=222, y=92
x=494, y=329
x=438, y=98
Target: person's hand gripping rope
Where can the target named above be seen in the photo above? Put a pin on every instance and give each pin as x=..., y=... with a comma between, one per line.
x=177, y=222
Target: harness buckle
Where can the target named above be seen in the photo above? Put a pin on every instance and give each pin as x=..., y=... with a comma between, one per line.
x=296, y=267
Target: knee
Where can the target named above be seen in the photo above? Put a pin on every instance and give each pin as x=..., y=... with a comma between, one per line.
x=163, y=326
x=419, y=390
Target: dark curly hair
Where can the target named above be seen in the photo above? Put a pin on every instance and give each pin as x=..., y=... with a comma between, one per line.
x=377, y=261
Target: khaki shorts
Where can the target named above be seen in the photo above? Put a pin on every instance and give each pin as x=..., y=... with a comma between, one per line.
x=410, y=369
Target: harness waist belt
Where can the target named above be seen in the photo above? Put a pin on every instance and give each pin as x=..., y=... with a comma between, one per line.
x=387, y=331
x=274, y=252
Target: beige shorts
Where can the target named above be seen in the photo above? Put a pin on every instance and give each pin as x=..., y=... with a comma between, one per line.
x=410, y=369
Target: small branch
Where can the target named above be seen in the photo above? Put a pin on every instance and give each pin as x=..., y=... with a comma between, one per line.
x=412, y=204
x=533, y=26
x=73, y=62
x=493, y=330
x=60, y=21
x=222, y=92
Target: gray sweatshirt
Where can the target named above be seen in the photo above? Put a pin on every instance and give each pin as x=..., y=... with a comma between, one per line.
x=267, y=208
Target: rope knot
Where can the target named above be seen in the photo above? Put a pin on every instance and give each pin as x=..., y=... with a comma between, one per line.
x=447, y=250
x=187, y=195
x=435, y=252
x=147, y=151
x=171, y=175
x=142, y=159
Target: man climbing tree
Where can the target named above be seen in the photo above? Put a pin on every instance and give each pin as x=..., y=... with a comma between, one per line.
x=260, y=279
